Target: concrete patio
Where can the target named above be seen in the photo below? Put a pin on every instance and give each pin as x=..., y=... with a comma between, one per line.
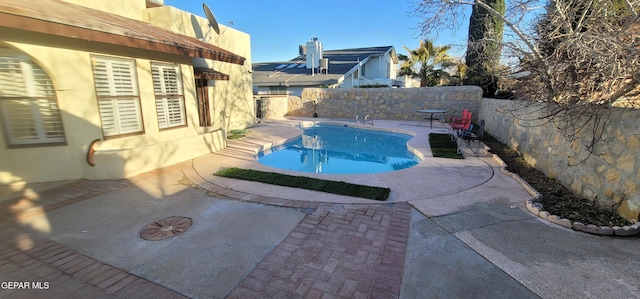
x=451, y=229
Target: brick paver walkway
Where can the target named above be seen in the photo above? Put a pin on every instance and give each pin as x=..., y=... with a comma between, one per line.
x=18, y=209
x=343, y=251
x=53, y=270
x=60, y=272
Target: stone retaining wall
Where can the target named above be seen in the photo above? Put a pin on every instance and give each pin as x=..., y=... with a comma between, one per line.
x=610, y=176
x=384, y=103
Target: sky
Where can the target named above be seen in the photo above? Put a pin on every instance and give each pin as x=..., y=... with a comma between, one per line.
x=277, y=28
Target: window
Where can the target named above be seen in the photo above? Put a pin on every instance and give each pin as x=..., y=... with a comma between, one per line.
x=167, y=86
x=118, y=96
x=278, y=90
x=28, y=103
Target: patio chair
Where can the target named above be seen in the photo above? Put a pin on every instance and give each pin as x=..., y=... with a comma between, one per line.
x=457, y=119
x=468, y=137
x=460, y=124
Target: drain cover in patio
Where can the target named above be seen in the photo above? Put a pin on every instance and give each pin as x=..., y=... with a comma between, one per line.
x=165, y=228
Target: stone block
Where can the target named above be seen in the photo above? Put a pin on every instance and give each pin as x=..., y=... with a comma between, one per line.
x=608, y=193
x=579, y=226
x=617, y=148
x=612, y=175
x=633, y=143
x=601, y=168
x=589, y=194
x=544, y=215
x=554, y=219
x=629, y=209
x=627, y=163
x=534, y=210
x=529, y=204
x=626, y=231
x=565, y=222
x=576, y=186
x=592, y=229
x=607, y=158
x=559, y=221
x=630, y=186
x=618, y=197
x=576, y=146
x=605, y=230
x=594, y=180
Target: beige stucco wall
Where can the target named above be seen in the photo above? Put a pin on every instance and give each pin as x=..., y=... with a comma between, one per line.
x=384, y=103
x=233, y=107
x=273, y=106
x=68, y=64
x=610, y=176
x=132, y=9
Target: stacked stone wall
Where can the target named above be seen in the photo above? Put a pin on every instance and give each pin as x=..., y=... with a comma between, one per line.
x=609, y=176
x=384, y=103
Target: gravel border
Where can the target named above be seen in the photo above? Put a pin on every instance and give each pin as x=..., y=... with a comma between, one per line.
x=537, y=209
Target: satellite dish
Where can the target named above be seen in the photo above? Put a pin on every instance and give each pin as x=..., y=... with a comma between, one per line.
x=212, y=20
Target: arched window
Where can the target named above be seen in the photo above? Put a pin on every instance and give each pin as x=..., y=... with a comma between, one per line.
x=28, y=103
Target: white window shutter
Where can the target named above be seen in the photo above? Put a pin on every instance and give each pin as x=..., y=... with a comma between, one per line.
x=28, y=102
x=108, y=115
x=118, y=97
x=12, y=81
x=128, y=115
x=175, y=110
x=167, y=86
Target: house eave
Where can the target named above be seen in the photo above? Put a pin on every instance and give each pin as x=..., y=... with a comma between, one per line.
x=62, y=19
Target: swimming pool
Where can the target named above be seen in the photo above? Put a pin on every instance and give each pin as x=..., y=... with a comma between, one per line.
x=342, y=149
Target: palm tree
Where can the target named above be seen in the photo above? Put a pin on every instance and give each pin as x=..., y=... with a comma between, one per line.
x=459, y=70
x=430, y=61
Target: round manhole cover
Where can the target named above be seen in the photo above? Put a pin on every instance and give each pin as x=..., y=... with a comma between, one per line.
x=165, y=228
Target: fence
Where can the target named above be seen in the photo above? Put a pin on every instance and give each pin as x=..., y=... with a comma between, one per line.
x=609, y=176
x=384, y=103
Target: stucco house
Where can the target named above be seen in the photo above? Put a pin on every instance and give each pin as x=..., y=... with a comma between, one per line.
x=315, y=67
x=110, y=89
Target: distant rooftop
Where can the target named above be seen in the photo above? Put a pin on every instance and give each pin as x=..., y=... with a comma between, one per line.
x=294, y=72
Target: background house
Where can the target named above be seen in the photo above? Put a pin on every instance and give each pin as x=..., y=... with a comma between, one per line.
x=111, y=89
x=316, y=67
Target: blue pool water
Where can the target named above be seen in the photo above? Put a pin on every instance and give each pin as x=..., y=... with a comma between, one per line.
x=339, y=149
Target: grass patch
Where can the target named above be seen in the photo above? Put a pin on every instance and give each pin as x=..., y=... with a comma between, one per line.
x=334, y=187
x=236, y=134
x=443, y=147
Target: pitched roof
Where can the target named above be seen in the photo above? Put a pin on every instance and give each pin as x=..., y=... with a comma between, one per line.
x=74, y=21
x=295, y=73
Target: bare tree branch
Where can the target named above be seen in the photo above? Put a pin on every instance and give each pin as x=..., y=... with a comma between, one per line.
x=582, y=56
